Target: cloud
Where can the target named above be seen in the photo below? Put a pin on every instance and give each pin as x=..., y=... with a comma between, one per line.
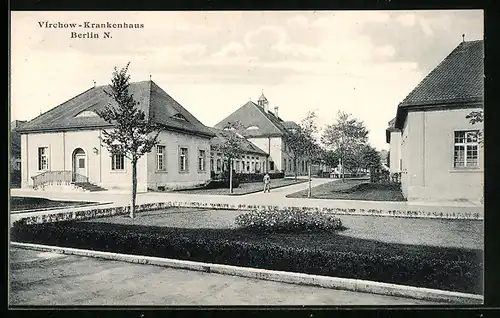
x=265, y=37
x=408, y=19
x=429, y=40
x=194, y=49
x=298, y=21
x=386, y=51
x=232, y=49
x=297, y=50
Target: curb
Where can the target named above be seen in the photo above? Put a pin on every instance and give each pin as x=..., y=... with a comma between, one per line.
x=273, y=275
x=62, y=207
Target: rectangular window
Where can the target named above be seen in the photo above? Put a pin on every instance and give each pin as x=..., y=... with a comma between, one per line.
x=117, y=162
x=248, y=166
x=183, y=159
x=466, y=150
x=271, y=165
x=257, y=167
x=212, y=164
x=219, y=165
x=160, y=158
x=201, y=160
x=237, y=166
x=284, y=164
x=81, y=163
x=43, y=158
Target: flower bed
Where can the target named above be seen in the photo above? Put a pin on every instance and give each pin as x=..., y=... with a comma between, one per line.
x=289, y=220
x=315, y=253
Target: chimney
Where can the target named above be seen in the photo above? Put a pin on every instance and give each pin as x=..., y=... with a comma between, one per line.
x=276, y=111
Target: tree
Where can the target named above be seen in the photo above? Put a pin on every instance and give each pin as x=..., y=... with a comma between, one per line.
x=474, y=118
x=230, y=148
x=310, y=148
x=331, y=158
x=132, y=134
x=346, y=136
x=300, y=139
x=295, y=139
x=370, y=158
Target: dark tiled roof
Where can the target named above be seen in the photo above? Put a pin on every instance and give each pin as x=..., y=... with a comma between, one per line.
x=246, y=145
x=252, y=114
x=457, y=79
x=157, y=105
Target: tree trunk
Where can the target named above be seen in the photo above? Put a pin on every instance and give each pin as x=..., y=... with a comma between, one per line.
x=230, y=176
x=134, y=188
x=309, y=176
x=342, y=169
x=295, y=167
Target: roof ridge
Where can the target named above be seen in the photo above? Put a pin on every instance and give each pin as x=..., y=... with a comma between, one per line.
x=57, y=107
x=434, y=70
x=267, y=116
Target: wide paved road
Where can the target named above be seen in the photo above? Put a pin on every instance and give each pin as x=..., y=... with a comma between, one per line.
x=40, y=278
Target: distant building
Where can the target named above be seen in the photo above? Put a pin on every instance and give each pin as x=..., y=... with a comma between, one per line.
x=266, y=130
x=62, y=145
x=252, y=159
x=15, y=142
x=432, y=143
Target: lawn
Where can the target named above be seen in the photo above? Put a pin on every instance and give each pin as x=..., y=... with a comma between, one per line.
x=246, y=188
x=466, y=234
x=358, y=189
x=31, y=203
x=210, y=236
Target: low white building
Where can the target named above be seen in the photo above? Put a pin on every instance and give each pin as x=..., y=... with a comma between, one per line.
x=62, y=147
x=432, y=143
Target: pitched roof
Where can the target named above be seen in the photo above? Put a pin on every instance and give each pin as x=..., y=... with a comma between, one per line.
x=157, y=105
x=246, y=146
x=457, y=79
x=391, y=127
x=251, y=115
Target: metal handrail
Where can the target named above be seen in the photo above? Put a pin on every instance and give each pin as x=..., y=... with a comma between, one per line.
x=58, y=177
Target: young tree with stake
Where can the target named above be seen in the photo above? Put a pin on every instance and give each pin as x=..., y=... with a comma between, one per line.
x=230, y=148
x=346, y=136
x=132, y=135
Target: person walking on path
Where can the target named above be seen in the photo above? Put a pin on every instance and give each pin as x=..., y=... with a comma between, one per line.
x=267, y=183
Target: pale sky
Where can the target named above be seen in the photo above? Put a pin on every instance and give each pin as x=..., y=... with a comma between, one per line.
x=360, y=62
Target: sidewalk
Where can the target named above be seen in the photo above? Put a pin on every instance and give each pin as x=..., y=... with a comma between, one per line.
x=275, y=197
x=38, y=279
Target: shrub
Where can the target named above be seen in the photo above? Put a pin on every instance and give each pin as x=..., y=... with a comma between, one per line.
x=319, y=253
x=289, y=220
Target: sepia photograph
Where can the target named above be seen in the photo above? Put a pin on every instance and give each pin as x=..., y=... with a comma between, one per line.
x=246, y=158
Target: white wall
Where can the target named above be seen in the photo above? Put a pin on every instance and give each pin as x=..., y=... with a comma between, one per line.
x=172, y=177
x=395, y=152
x=61, y=146
x=427, y=151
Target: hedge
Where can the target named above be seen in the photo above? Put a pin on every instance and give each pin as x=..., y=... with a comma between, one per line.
x=258, y=177
x=320, y=254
